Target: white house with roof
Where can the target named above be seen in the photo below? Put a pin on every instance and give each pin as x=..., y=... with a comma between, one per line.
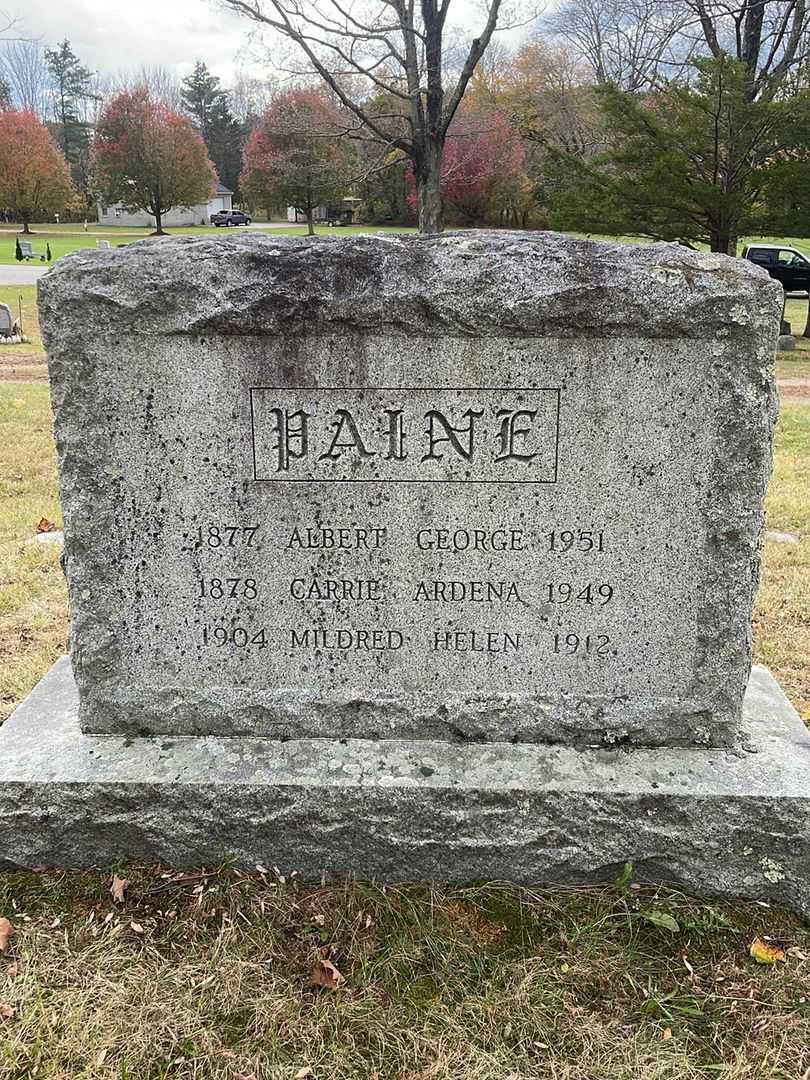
x=117, y=214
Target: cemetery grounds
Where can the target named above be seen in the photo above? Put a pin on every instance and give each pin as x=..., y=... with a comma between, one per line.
x=221, y=974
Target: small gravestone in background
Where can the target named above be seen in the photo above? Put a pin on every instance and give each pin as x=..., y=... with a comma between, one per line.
x=441, y=551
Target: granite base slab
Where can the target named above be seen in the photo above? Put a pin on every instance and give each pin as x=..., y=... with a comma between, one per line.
x=732, y=823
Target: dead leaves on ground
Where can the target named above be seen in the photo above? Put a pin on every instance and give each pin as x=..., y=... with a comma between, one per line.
x=324, y=973
x=46, y=526
x=118, y=887
x=766, y=951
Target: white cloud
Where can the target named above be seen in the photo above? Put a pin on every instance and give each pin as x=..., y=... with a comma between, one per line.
x=109, y=35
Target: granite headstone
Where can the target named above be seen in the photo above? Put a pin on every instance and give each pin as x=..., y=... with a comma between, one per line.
x=478, y=487
x=409, y=557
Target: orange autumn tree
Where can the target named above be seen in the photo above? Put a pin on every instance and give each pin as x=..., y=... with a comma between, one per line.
x=298, y=154
x=150, y=158
x=34, y=177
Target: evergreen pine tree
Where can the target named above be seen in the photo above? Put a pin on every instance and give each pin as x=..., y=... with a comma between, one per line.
x=207, y=104
x=71, y=87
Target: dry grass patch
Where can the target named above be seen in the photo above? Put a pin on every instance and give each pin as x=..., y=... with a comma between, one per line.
x=210, y=977
x=33, y=601
x=782, y=609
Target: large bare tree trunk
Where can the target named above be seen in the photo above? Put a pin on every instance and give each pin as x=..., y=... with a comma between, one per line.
x=428, y=192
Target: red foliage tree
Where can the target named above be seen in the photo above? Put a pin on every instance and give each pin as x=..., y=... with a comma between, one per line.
x=297, y=155
x=150, y=158
x=34, y=177
x=483, y=172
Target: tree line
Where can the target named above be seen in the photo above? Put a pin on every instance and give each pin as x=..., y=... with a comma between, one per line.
x=683, y=120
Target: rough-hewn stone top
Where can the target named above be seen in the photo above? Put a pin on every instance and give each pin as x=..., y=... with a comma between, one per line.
x=520, y=284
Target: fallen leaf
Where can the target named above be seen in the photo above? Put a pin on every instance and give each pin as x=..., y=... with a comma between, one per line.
x=765, y=953
x=101, y=1058
x=666, y=1034
x=136, y=927
x=18, y=403
x=118, y=888
x=43, y=525
x=6, y=930
x=326, y=974
x=662, y=919
x=6, y=1011
x=303, y=1073
x=12, y=971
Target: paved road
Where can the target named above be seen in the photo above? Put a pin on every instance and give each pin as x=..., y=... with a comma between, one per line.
x=21, y=275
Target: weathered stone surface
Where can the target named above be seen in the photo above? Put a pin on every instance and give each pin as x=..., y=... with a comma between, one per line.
x=709, y=821
x=516, y=515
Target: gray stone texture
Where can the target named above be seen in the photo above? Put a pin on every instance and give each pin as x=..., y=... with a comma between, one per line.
x=715, y=822
x=648, y=373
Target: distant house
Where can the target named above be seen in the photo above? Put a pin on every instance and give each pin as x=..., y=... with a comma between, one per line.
x=221, y=199
x=342, y=212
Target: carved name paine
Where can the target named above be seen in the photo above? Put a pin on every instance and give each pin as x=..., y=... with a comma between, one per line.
x=491, y=435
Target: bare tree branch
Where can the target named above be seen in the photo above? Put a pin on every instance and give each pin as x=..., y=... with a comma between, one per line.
x=394, y=50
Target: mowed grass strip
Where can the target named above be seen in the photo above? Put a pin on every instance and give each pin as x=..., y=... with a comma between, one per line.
x=207, y=976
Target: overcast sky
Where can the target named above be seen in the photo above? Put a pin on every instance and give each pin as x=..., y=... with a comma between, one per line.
x=108, y=35
x=112, y=34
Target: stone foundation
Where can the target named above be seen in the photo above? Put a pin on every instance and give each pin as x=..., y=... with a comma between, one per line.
x=733, y=823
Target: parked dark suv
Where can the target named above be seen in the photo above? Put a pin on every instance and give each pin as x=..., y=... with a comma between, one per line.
x=783, y=263
x=229, y=217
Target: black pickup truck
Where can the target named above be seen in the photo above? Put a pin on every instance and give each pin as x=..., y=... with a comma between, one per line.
x=786, y=264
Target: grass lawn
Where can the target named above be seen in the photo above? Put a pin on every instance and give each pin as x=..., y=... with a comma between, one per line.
x=209, y=977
